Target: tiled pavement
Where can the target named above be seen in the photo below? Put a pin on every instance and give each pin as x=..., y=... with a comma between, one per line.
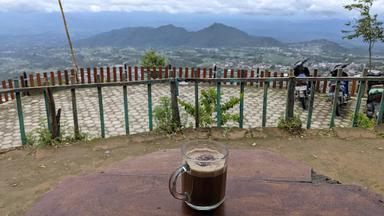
x=88, y=110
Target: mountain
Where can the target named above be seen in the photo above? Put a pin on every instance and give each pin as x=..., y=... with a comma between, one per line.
x=214, y=36
x=219, y=35
x=320, y=45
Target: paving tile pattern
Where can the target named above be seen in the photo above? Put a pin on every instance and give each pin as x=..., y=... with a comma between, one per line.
x=88, y=110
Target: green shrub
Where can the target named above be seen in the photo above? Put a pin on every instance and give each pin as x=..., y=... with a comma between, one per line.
x=207, y=108
x=292, y=125
x=163, y=116
x=364, y=122
x=42, y=137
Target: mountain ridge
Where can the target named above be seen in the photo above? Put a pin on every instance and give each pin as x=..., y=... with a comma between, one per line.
x=213, y=36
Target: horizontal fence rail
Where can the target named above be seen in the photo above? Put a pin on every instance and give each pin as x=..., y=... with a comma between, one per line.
x=131, y=76
x=138, y=73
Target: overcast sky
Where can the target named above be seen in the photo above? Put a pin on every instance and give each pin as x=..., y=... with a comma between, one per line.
x=306, y=8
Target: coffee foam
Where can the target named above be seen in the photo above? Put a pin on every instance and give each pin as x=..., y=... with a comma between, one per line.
x=205, y=162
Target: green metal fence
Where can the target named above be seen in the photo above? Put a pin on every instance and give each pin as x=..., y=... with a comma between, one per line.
x=173, y=78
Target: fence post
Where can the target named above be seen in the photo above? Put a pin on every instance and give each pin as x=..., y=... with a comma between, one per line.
x=335, y=100
x=121, y=73
x=20, y=113
x=142, y=73
x=114, y=71
x=311, y=103
x=10, y=84
x=38, y=79
x=193, y=72
x=197, y=113
x=160, y=72
x=274, y=81
x=89, y=75
x=265, y=104
x=126, y=113
x=82, y=76
x=59, y=78
x=281, y=83
x=180, y=72
x=52, y=78
x=95, y=75
x=232, y=75
x=174, y=103
x=66, y=77
x=149, y=88
x=381, y=111
x=101, y=75
x=325, y=84
x=101, y=108
x=136, y=73
x=241, y=120
x=31, y=80
x=316, y=74
x=166, y=73
x=252, y=76
x=22, y=84
x=262, y=73
x=290, y=109
x=218, y=101
x=4, y=85
x=353, y=89
x=108, y=74
x=360, y=95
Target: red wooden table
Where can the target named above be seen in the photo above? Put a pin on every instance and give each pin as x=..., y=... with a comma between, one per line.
x=259, y=183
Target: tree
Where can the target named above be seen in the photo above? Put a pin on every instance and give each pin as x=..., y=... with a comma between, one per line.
x=207, y=108
x=152, y=59
x=367, y=27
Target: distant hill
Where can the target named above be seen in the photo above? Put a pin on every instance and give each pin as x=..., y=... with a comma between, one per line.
x=214, y=36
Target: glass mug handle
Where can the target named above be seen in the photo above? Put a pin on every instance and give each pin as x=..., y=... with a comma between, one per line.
x=173, y=180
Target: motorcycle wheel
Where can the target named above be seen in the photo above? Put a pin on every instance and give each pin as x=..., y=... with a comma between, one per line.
x=338, y=110
x=303, y=103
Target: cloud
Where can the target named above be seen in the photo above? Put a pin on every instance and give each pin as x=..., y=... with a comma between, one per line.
x=256, y=7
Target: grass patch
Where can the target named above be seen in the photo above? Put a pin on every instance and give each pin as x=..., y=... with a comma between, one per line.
x=291, y=125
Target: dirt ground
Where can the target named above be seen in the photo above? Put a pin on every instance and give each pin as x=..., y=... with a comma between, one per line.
x=351, y=156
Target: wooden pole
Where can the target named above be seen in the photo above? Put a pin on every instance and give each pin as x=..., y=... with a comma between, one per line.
x=290, y=109
x=74, y=107
x=73, y=53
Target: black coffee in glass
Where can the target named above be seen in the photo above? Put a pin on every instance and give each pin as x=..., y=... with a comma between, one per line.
x=203, y=175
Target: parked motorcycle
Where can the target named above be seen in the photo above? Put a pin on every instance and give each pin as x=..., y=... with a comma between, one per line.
x=343, y=93
x=302, y=87
x=375, y=92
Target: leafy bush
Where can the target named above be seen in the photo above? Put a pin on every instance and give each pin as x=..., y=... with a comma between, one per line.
x=207, y=108
x=163, y=116
x=292, y=125
x=364, y=122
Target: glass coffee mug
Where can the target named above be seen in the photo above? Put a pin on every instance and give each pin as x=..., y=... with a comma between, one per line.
x=203, y=175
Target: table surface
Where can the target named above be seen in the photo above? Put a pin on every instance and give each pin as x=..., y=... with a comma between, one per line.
x=259, y=183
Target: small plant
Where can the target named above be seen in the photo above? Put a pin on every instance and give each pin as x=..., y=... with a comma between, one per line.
x=207, y=108
x=364, y=122
x=42, y=137
x=163, y=116
x=292, y=125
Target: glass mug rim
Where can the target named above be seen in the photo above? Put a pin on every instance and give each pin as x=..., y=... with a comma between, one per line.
x=207, y=143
